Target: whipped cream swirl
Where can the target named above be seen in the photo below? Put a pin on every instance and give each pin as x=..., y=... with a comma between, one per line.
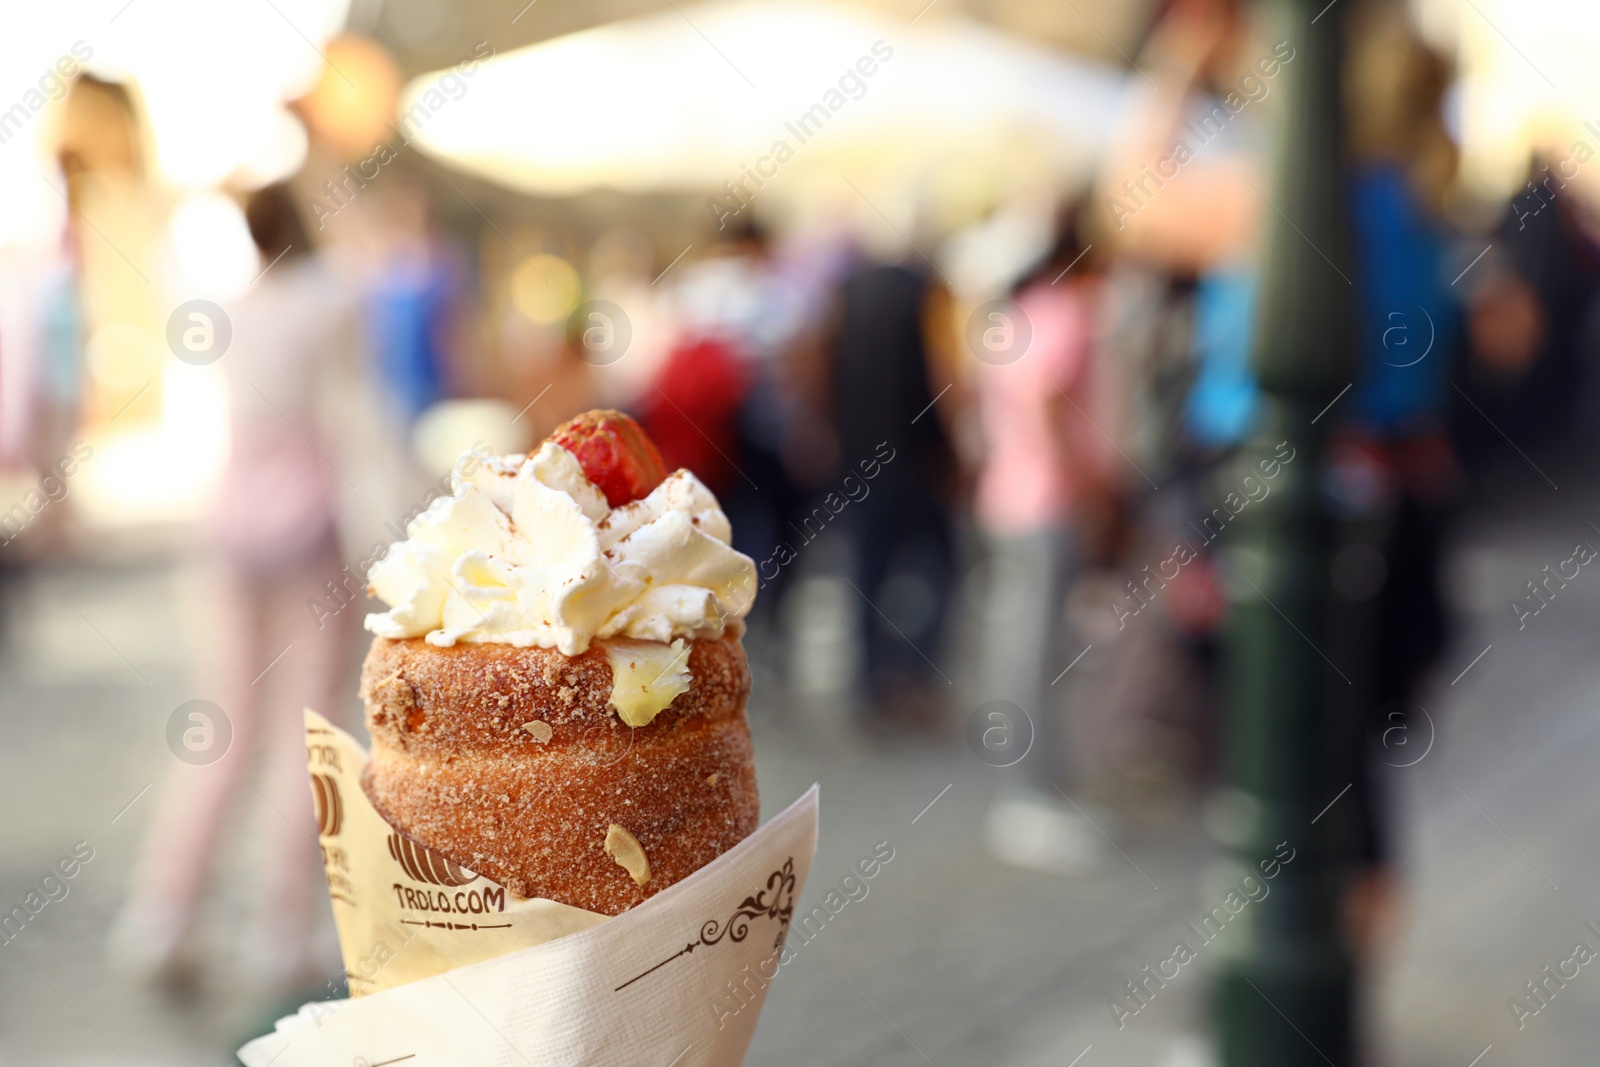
x=527, y=552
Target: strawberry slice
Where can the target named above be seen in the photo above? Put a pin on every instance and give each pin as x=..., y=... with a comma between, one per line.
x=615, y=454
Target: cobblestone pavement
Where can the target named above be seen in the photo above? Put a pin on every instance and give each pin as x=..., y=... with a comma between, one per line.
x=950, y=959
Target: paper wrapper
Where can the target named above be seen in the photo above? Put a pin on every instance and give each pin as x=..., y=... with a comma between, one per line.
x=447, y=967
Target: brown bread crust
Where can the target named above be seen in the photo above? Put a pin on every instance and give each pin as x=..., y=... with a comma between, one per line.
x=453, y=768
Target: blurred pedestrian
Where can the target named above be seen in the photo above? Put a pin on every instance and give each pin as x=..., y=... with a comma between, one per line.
x=1393, y=477
x=1535, y=366
x=1039, y=489
x=747, y=297
x=272, y=544
x=900, y=534
x=411, y=304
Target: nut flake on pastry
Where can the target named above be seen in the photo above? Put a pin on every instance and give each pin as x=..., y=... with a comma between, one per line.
x=527, y=552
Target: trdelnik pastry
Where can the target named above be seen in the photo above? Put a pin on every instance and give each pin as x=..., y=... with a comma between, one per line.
x=556, y=694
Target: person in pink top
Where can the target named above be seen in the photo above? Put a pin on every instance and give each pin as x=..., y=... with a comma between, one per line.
x=1041, y=476
x=272, y=543
x=1034, y=464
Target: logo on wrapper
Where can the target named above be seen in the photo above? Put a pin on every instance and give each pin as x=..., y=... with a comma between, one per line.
x=422, y=864
x=426, y=865
x=327, y=805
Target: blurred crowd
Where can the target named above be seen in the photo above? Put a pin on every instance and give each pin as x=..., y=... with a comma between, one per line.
x=980, y=464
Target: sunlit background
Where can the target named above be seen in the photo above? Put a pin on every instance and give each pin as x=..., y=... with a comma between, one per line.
x=977, y=109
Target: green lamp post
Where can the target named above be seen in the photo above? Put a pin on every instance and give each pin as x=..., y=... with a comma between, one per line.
x=1283, y=990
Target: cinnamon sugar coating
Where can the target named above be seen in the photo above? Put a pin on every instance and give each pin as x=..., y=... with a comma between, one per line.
x=453, y=767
